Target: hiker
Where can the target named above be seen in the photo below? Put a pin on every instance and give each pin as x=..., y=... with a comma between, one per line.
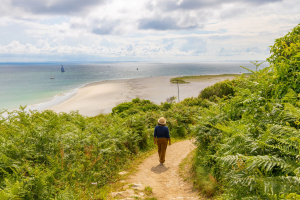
x=161, y=138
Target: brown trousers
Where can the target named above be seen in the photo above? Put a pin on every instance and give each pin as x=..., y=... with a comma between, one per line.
x=162, y=144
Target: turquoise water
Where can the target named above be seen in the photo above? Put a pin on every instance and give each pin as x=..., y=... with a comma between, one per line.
x=29, y=84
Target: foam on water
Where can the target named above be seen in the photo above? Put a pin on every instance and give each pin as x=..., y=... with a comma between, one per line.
x=54, y=101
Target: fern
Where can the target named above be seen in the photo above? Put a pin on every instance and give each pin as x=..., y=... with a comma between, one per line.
x=249, y=70
x=291, y=113
x=229, y=160
x=281, y=184
x=280, y=130
x=267, y=163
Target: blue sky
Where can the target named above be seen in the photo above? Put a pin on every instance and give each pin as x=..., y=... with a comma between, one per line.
x=142, y=30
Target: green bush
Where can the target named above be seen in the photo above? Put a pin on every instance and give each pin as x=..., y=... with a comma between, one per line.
x=122, y=107
x=166, y=105
x=192, y=101
x=221, y=89
x=250, y=143
x=285, y=62
x=133, y=107
x=45, y=155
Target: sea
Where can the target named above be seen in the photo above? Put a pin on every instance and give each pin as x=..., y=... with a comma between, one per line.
x=29, y=84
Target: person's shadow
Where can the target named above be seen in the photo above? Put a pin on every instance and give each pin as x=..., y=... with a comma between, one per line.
x=159, y=169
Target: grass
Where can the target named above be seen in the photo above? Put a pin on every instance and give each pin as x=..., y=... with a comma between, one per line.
x=186, y=171
x=204, y=182
x=178, y=80
x=201, y=78
x=185, y=167
x=148, y=190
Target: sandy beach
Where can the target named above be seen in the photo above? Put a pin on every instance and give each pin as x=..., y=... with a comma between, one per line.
x=101, y=97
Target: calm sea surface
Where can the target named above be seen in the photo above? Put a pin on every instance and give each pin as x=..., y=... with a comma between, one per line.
x=30, y=84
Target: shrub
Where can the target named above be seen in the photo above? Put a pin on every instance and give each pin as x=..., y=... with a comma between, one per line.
x=136, y=100
x=45, y=155
x=133, y=107
x=171, y=99
x=166, y=105
x=221, y=89
x=122, y=107
x=285, y=62
x=249, y=143
x=192, y=101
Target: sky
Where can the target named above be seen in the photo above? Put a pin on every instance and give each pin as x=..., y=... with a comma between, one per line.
x=143, y=30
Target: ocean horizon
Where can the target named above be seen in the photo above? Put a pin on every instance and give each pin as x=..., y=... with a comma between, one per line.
x=29, y=84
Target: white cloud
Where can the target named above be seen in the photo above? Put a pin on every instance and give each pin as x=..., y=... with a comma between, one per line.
x=164, y=30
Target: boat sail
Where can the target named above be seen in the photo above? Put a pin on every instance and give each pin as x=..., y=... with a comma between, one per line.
x=62, y=69
x=52, y=77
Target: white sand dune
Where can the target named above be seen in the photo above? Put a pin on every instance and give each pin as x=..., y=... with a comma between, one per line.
x=101, y=97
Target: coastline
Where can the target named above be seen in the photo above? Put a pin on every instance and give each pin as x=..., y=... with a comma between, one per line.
x=59, y=98
x=100, y=97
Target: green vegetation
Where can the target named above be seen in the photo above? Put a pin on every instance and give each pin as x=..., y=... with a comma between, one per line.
x=148, y=190
x=199, y=78
x=246, y=130
x=221, y=89
x=45, y=155
x=179, y=80
x=249, y=142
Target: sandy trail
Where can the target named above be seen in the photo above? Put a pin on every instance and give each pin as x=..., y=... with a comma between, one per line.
x=165, y=180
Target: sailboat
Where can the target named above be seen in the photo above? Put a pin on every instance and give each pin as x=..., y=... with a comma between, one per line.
x=62, y=69
x=52, y=77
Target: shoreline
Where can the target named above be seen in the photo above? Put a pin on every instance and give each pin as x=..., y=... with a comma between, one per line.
x=100, y=97
x=60, y=98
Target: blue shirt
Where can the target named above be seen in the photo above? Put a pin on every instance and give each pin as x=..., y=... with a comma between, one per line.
x=161, y=132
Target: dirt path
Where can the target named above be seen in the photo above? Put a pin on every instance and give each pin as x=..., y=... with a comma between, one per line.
x=165, y=180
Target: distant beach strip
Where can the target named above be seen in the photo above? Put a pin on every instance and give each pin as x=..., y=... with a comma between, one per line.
x=100, y=97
